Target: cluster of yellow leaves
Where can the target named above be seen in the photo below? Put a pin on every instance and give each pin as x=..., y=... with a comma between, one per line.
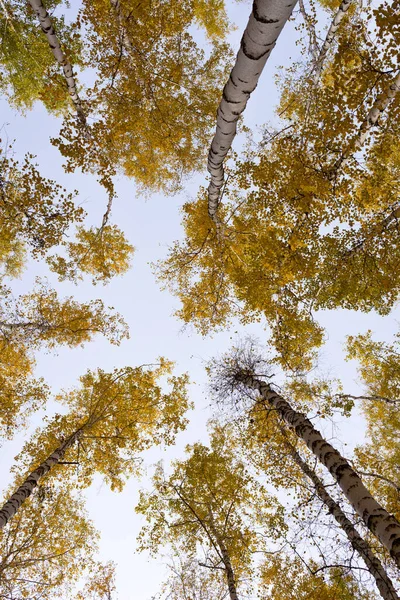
x=28, y=71
x=286, y=578
x=210, y=496
x=379, y=457
x=247, y=275
x=37, y=213
x=121, y=414
x=153, y=103
x=20, y=394
x=41, y=320
x=101, y=583
x=101, y=252
x=47, y=546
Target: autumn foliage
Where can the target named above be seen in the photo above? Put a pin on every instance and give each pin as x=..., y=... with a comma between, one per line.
x=296, y=220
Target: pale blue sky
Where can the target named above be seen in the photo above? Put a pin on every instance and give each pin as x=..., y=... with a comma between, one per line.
x=151, y=225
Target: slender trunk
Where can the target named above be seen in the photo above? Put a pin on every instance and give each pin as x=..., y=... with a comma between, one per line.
x=126, y=42
x=327, y=45
x=48, y=30
x=382, y=524
x=374, y=565
x=13, y=504
x=266, y=22
x=378, y=108
x=107, y=214
x=229, y=572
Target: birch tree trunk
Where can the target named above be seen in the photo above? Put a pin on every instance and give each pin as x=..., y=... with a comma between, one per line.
x=378, y=108
x=266, y=22
x=126, y=42
x=48, y=30
x=327, y=45
x=382, y=524
x=229, y=572
x=11, y=507
x=374, y=565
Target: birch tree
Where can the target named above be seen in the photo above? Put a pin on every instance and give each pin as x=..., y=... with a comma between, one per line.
x=275, y=453
x=329, y=39
x=235, y=373
x=47, y=27
x=209, y=501
x=283, y=255
x=114, y=416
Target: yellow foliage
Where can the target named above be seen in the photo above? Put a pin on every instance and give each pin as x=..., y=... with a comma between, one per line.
x=122, y=413
x=102, y=253
x=20, y=394
x=306, y=225
x=36, y=321
x=209, y=497
x=28, y=71
x=286, y=578
x=153, y=104
x=47, y=547
x=379, y=457
x=35, y=212
x=101, y=583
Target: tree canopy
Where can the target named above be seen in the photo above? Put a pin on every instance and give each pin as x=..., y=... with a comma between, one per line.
x=285, y=227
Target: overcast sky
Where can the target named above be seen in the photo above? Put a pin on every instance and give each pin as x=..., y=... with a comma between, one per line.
x=151, y=225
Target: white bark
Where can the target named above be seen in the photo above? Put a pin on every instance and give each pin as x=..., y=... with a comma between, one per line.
x=327, y=45
x=266, y=22
x=126, y=42
x=382, y=524
x=374, y=565
x=378, y=108
x=48, y=30
x=229, y=572
x=13, y=504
